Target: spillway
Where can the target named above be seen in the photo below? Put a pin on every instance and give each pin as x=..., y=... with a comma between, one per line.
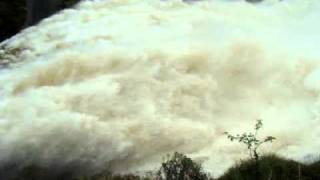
x=122, y=83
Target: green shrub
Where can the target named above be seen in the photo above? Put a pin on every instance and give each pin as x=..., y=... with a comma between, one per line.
x=180, y=167
x=272, y=167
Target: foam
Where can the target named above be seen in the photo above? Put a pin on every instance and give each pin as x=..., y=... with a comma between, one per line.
x=121, y=83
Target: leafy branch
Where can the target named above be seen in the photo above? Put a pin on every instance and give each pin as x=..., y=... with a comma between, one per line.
x=251, y=140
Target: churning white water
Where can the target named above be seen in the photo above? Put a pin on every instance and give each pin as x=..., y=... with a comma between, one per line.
x=122, y=83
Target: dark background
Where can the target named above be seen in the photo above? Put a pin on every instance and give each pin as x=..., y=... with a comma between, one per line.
x=12, y=17
x=18, y=14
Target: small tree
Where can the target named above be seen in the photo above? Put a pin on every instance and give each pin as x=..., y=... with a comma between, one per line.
x=251, y=140
x=180, y=167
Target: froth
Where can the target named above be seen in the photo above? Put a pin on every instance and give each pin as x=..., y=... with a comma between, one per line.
x=120, y=84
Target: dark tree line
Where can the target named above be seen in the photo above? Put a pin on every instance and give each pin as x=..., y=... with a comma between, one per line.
x=39, y=9
x=12, y=17
x=18, y=14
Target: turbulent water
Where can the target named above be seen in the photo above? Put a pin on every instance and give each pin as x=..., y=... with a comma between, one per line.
x=122, y=83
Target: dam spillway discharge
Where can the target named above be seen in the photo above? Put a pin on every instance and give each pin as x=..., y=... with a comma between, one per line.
x=122, y=83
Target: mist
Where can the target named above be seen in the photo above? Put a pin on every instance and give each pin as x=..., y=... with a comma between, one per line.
x=119, y=84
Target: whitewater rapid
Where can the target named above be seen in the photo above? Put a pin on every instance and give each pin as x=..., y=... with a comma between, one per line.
x=122, y=83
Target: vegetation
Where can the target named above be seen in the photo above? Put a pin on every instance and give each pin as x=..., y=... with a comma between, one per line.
x=68, y=3
x=251, y=140
x=180, y=167
x=272, y=167
x=253, y=143
x=13, y=15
